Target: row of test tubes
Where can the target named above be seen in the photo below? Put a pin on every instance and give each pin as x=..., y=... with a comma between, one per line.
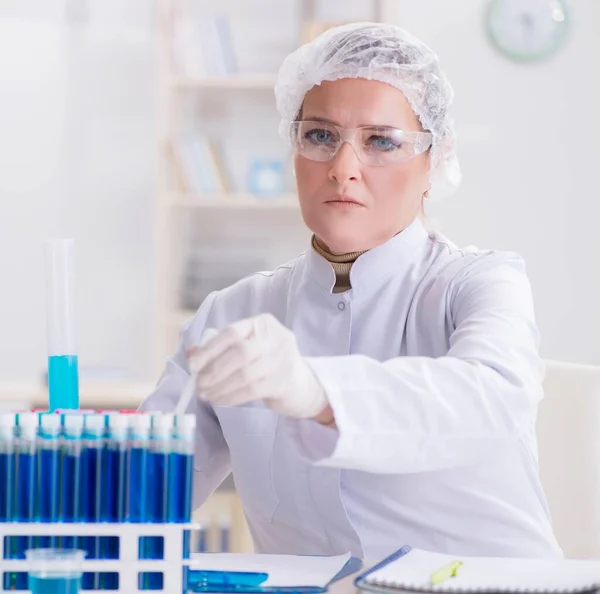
x=94, y=467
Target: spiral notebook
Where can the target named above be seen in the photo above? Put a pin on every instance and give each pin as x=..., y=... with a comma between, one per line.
x=414, y=570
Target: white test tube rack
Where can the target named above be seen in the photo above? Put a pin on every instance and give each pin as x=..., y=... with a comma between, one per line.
x=128, y=566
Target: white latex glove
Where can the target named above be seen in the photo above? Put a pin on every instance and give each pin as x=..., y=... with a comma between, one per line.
x=257, y=359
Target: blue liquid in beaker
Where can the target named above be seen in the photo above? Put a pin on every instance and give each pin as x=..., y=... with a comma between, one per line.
x=54, y=585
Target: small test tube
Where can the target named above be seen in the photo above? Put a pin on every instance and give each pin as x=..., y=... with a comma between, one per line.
x=114, y=485
x=7, y=491
x=63, y=374
x=181, y=465
x=7, y=465
x=139, y=443
x=91, y=469
x=138, y=482
x=27, y=488
x=49, y=462
x=181, y=469
x=160, y=449
x=71, y=491
x=158, y=473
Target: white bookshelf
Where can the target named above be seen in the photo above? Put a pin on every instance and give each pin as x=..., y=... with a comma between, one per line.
x=172, y=205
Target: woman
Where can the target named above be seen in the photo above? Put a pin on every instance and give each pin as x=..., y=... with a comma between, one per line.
x=381, y=389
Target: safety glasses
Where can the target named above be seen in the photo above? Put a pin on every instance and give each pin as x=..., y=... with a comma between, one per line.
x=374, y=145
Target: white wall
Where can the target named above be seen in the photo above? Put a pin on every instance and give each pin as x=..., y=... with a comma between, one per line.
x=77, y=159
x=78, y=154
x=529, y=151
x=32, y=179
x=111, y=162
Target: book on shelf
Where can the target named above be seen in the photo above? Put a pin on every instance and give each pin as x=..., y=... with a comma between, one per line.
x=198, y=166
x=202, y=46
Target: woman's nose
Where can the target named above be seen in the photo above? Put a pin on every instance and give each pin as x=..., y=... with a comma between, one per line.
x=345, y=166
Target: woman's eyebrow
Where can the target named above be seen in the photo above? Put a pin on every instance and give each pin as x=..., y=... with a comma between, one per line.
x=328, y=121
x=318, y=119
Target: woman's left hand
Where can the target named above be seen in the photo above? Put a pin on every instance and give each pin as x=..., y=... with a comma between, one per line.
x=258, y=359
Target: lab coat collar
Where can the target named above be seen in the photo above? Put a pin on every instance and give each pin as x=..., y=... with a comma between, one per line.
x=391, y=257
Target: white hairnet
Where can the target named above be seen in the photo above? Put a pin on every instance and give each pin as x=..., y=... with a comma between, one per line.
x=384, y=53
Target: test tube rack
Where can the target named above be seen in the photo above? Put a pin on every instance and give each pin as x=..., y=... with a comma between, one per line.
x=128, y=566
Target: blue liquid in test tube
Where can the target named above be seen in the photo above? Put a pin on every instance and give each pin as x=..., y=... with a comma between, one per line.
x=91, y=491
x=139, y=443
x=63, y=377
x=71, y=484
x=27, y=493
x=181, y=464
x=158, y=473
x=7, y=486
x=63, y=382
x=114, y=485
x=49, y=460
x=138, y=499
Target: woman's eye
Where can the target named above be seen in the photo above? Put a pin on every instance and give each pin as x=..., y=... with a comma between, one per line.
x=318, y=136
x=383, y=143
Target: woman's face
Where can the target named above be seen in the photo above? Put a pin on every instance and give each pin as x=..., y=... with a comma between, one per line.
x=384, y=200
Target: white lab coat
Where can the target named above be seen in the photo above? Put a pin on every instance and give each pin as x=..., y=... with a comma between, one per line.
x=430, y=363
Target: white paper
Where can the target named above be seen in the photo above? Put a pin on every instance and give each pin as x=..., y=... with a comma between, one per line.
x=283, y=570
x=414, y=570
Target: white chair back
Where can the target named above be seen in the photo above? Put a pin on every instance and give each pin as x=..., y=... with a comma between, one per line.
x=568, y=431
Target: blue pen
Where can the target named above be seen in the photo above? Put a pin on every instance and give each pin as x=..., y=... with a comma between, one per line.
x=200, y=578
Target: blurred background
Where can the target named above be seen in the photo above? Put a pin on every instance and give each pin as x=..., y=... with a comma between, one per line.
x=146, y=130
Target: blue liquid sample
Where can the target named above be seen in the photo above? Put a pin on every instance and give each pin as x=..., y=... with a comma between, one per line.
x=180, y=494
x=70, y=496
x=7, y=478
x=138, y=499
x=114, y=483
x=158, y=464
x=180, y=487
x=57, y=585
x=114, y=464
x=7, y=462
x=91, y=464
x=25, y=506
x=63, y=382
x=153, y=547
x=26, y=487
x=49, y=485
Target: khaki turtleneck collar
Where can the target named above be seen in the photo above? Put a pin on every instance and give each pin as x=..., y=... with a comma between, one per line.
x=341, y=264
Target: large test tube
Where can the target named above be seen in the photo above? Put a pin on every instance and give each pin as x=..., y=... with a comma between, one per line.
x=63, y=375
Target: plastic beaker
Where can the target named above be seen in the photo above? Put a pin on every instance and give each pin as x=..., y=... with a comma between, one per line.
x=54, y=571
